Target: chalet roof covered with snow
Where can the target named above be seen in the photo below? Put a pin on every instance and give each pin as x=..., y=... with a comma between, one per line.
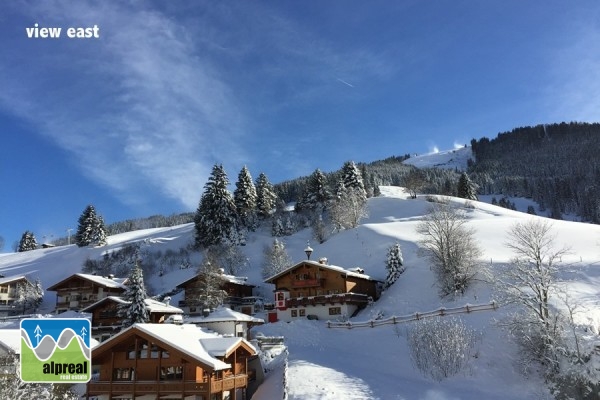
x=152, y=305
x=188, y=339
x=225, y=314
x=104, y=281
x=238, y=280
x=9, y=279
x=347, y=272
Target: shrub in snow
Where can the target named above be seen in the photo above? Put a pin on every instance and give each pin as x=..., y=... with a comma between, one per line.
x=441, y=347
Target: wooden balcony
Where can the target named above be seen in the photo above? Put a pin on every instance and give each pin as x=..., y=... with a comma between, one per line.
x=343, y=298
x=166, y=387
x=305, y=283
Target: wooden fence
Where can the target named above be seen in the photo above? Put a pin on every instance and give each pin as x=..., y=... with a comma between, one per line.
x=469, y=308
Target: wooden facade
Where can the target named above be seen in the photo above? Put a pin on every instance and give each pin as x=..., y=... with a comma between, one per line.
x=158, y=364
x=317, y=289
x=82, y=290
x=106, y=322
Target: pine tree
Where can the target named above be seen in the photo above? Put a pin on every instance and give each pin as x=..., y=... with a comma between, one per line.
x=394, y=264
x=266, y=199
x=99, y=231
x=90, y=228
x=316, y=196
x=466, y=188
x=244, y=198
x=27, y=242
x=216, y=219
x=134, y=310
x=353, y=178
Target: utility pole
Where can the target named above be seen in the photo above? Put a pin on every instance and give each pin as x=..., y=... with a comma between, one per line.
x=69, y=235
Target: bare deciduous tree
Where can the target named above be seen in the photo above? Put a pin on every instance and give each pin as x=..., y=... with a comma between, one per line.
x=450, y=246
x=530, y=279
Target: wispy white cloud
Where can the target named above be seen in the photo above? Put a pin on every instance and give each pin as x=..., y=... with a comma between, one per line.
x=138, y=108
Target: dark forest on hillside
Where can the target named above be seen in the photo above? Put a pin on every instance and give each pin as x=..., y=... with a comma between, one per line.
x=555, y=165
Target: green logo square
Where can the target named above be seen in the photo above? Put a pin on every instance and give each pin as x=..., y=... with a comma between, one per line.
x=55, y=350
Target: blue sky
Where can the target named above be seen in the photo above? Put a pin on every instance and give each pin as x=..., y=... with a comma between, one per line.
x=132, y=122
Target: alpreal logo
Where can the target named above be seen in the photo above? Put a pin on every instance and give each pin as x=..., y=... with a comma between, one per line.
x=55, y=350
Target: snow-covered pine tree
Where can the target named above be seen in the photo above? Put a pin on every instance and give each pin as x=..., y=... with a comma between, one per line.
x=353, y=178
x=394, y=264
x=466, y=188
x=27, y=242
x=90, y=228
x=134, y=310
x=244, y=198
x=99, y=231
x=266, y=199
x=276, y=259
x=316, y=196
x=216, y=220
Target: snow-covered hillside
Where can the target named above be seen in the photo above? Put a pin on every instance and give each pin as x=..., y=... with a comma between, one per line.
x=374, y=363
x=449, y=159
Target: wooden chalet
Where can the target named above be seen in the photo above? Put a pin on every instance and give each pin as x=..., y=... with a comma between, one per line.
x=315, y=289
x=9, y=295
x=79, y=291
x=106, y=321
x=237, y=288
x=167, y=361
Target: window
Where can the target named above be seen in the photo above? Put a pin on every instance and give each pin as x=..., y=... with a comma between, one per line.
x=142, y=349
x=294, y=313
x=171, y=373
x=335, y=310
x=3, y=289
x=154, y=351
x=302, y=312
x=123, y=374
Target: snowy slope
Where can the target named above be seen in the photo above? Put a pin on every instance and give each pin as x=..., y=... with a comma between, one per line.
x=373, y=363
x=449, y=159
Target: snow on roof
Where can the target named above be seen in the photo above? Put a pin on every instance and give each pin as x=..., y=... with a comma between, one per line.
x=220, y=346
x=239, y=280
x=159, y=306
x=10, y=339
x=105, y=281
x=347, y=272
x=191, y=340
x=151, y=304
x=8, y=279
x=224, y=314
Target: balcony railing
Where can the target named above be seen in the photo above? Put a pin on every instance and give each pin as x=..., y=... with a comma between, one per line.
x=350, y=298
x=166, y=387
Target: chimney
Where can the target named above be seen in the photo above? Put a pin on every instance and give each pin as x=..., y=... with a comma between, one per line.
x=323, y=260
x=166, y=300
